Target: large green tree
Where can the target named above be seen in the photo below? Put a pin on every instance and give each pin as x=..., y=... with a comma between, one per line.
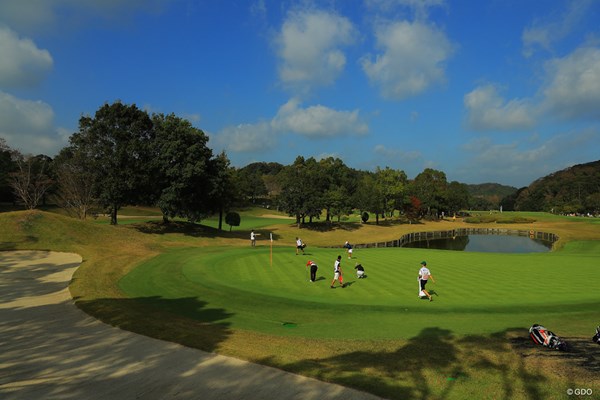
x=457, y=197
x=392, y=187
x=116, y=143
x=301, y=194
x=256, y=180
x=337, y=183
x=430, y=187
x=223, y=191
x=181, y=169
x=368, y=196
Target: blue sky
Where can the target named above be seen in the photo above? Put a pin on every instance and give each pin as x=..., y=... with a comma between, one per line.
x=487, y=91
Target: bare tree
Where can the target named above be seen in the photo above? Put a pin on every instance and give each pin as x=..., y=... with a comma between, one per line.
x=75, y=192
x=30, y=181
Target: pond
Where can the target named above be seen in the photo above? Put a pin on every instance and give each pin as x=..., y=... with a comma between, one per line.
x=489, y=240
x=485, y=243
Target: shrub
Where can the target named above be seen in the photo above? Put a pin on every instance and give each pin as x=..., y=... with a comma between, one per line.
x=232, y=219
x=364, y=217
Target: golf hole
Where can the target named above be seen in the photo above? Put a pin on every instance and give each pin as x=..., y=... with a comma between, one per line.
x=289, y=324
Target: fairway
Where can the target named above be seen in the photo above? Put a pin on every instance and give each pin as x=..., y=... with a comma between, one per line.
x=475, y=293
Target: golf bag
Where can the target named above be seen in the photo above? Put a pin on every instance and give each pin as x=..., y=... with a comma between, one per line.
x=596, y=338
x=546, y=338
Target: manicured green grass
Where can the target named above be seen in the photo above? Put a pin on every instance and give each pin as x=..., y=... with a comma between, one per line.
x=208, y=289
x=474, y=293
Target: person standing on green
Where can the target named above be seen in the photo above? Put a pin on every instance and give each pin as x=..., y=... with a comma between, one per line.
x=337, y=273
x=313, y=270
x=424, y=276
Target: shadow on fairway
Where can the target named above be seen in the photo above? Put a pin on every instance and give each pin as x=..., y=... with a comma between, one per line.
x=333, y=226
x=185, y=320
x=430, y=365
x=198, y=230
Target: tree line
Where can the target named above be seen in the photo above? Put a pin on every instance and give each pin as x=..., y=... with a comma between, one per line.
x=123, y=156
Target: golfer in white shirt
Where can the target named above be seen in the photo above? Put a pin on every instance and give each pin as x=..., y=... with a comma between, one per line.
x=424, y=276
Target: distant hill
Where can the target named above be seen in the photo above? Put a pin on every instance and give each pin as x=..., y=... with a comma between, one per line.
x=572, y=190
x=489, y=195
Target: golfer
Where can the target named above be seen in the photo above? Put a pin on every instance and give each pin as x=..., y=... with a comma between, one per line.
x=299, y=245
x=252, y=238
x=348, y=247
x=360, y=271
x=424, y=275
x=313, y=270
x=337, y=272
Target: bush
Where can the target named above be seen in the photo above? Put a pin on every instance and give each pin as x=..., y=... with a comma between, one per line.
x=232, y=219
x=364, y=217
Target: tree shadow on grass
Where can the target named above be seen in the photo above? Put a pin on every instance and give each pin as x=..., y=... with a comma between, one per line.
x=433, y=364
x=198, y=230
x=187, y=321
x=323, y=226
x=399, y=374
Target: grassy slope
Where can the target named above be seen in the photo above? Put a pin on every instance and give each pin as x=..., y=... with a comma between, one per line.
x=435, y=362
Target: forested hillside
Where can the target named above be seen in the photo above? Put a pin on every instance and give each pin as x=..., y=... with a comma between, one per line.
x=574, y=190
x=489, y=195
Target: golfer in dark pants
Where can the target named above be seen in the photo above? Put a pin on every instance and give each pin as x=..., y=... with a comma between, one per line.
x=313, y=270
x=424, y=276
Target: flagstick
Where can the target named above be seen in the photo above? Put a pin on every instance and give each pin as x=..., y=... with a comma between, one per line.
x=271, y=252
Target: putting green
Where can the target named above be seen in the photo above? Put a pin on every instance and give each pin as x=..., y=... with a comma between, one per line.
x=474, y=293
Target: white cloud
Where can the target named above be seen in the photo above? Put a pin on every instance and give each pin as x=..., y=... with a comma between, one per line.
x=487, y=110
x=247, y=138
x=521, y=162
x=309, y=48
x=396, y=155
x=259, y=8
x=573, y=85
x=29, y=126
x=311, y=122
x=22, y=63
x=412, y=59
x=36, y=15
x=544, y=33
x=324, y=156
x=420, y=7
x=317, y=121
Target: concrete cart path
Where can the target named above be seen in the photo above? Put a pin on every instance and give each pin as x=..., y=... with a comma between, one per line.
x=49, y=349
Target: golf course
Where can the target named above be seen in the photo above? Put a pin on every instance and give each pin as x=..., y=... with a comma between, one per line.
x=209, y=289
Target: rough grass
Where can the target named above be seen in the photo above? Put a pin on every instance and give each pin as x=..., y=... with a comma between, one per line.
x=439, y=359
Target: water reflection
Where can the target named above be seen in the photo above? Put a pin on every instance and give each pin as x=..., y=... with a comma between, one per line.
x=485, y=243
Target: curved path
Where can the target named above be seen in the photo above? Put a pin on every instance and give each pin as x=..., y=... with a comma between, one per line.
x=50, y=349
